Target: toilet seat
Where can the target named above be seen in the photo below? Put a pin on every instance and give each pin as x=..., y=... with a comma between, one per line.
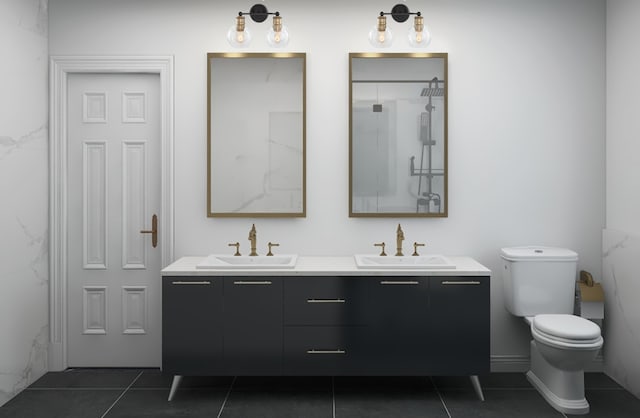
x=566, y=331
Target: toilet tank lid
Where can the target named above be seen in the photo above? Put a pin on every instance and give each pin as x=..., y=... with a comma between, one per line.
x=538, y=253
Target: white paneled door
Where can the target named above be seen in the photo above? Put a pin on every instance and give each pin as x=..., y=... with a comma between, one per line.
x=113, y=286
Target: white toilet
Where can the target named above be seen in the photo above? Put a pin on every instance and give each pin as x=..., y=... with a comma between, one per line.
x=539, y=285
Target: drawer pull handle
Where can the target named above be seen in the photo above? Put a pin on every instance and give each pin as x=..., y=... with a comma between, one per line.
x=411, y=282
x=204, y=283
x=467, y=283
x=326, y=352
x=264, y=283
x=326, y=300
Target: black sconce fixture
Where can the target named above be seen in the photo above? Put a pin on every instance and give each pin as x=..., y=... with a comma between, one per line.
x=382, y=37
x=239, y=35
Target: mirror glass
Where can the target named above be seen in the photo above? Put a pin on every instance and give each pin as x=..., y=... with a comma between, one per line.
x=256, y=135
x=398, y=135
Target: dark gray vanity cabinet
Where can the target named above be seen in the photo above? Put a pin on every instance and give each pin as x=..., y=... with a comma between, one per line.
x=459, y=325
x=308, y=325
x=253, y=325
x=192, y=325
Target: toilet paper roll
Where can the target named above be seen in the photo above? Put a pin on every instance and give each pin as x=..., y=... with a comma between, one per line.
x=591, y=301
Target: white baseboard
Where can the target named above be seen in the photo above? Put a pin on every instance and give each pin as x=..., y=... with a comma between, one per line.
x=520, y=364
x=509, y=363
x=56, y=357
x=499, y=363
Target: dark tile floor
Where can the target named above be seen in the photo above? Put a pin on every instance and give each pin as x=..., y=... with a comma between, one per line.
x=89, y=393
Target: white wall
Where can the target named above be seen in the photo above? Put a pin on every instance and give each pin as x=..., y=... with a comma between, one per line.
x=23, y=193
x=526, y=126
x=621, y=242
x=623, y=124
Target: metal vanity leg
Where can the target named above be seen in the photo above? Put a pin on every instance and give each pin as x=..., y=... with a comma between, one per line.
x=174, y=386
x=475, y=382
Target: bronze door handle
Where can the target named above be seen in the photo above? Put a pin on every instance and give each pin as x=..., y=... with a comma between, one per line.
x=153, y=231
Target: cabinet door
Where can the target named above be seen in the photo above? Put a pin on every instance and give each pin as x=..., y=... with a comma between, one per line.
x=253, y=325
x=459, y=325
x=398, y=323
x=192, y=313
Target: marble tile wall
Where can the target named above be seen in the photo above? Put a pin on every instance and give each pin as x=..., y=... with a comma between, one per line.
x=621, y=281
x=24, y=194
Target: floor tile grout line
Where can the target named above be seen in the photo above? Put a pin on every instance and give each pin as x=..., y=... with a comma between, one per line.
x=444, y=405
x=121, y=395
x=491, y=389
x=504, y=388
x=532, y=388
x=333, y=397
x=608, y=389
x=226, y=397
x=74, y=388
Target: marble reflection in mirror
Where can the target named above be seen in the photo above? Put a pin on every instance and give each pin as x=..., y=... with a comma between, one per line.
x=398, y=135
x=256, y=135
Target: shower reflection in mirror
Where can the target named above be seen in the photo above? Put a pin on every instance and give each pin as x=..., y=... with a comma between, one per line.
x=398, y=138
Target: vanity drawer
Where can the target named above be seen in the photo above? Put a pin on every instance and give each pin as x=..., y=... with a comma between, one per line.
x=325, y=301
x=322, y=351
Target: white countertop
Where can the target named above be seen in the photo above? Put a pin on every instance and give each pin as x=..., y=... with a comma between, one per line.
x=325, y=266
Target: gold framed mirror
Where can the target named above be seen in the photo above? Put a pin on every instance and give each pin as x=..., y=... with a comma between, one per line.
x=256, y=135
x=398, y=135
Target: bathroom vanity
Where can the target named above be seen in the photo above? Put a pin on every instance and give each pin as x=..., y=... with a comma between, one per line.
x=325, y=316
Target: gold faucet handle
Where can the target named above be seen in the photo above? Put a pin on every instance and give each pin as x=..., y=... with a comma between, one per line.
x=237, y=245
x=270, y=244
x=415, y=248
x=382, y=254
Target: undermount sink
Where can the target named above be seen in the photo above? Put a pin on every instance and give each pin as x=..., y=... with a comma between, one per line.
x=223, y=261
x=431, y=261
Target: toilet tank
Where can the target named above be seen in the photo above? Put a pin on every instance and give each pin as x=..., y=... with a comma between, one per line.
x=538, y=280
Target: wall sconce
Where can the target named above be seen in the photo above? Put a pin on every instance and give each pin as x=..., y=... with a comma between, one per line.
x=239, y=35
x=381, y=36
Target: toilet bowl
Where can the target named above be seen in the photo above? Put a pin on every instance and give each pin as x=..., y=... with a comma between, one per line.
x=539, y=285
x=563, y=345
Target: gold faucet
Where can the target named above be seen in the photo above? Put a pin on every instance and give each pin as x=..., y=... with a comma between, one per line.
x=399, y=239
x=252, y=237
x=382, y=254
x=237, y=245
x=271, y=244
x=415, y=248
